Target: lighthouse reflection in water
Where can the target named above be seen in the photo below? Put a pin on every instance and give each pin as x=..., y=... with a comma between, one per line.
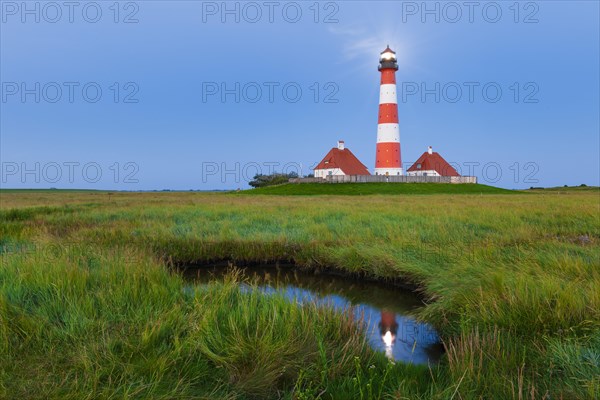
x=388, y=327
x=388, y=312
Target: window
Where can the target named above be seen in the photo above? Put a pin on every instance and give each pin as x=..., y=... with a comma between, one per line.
x=419, y=166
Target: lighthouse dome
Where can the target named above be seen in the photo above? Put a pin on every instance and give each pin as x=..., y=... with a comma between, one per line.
x=388, y=55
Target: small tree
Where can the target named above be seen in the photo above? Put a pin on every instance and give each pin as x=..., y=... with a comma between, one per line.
x=261, y=180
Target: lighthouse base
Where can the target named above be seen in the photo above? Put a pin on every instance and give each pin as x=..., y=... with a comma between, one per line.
x=389, y=171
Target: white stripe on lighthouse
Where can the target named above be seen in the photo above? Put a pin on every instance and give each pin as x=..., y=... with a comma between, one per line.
x=388, y=171
x=388, y=133
x=387, y=94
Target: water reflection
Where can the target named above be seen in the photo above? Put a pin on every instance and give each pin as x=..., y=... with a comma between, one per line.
x=388, y=312
x=388, y=328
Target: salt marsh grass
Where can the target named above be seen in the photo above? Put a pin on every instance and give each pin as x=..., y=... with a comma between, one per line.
x=90, y=306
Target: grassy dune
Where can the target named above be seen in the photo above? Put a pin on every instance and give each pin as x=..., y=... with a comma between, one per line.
x=88, y=307
x=310, y=189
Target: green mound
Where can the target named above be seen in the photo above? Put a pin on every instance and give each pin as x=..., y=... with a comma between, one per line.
x=292, y=189
x=566, y=189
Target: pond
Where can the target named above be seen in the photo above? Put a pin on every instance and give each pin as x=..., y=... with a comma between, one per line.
x=387, y=311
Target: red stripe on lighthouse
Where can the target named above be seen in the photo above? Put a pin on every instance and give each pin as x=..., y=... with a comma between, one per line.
x=388, y=155
x=388, y=113
x=388, y=76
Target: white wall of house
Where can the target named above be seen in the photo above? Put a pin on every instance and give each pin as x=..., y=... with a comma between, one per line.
x=322, y=173
x=429, y=172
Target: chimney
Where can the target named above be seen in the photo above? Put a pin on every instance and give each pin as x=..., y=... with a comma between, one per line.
x=340, y=145
x=430, y=150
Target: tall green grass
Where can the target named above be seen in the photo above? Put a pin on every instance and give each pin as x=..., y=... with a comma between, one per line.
x=94, y=325
x=88, y=307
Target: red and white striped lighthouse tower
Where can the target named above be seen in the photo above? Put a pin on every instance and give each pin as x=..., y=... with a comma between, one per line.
x=388, y=160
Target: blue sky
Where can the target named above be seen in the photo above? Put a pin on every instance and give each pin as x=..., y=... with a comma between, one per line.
x=162, y=119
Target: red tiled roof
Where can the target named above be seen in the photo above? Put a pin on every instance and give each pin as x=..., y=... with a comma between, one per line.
x=344, y=160
x=433, y=162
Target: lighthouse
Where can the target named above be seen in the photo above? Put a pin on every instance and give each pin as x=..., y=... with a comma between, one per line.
x=387, y=159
